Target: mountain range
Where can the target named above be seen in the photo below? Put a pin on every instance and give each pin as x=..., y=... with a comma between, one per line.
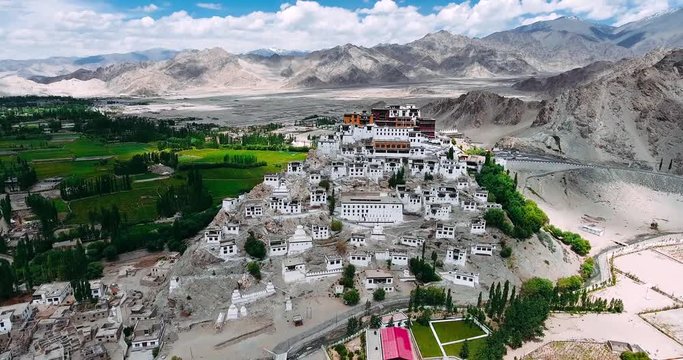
x=540, y=49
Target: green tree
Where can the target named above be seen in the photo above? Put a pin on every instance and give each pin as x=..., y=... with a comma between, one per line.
x=94, y=270
x=379, y=294
x=255, y=247
x=375, y=322
x=351, y=297
x=336, y=225
x=331, y=202
x=6, y=210
x=254, y=269
x=7, y=280
x=348, y=276
x=110, y=253
x=628, y=355
x=537, y=287
x=450, y=154
x=352, y=326
x=465, y=350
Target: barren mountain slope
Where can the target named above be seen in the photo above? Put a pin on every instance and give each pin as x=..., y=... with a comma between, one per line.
x=552, y=86
x=491, y=116
x=634, y=114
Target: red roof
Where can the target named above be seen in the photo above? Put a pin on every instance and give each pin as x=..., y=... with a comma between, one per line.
x=396, y=344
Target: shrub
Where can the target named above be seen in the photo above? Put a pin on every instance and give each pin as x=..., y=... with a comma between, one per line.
x=336, y=225
x=110, y=253
x=506, y=252
x=254, y=269
x=587, y=268
x=379, y=294
x=255, y=247
x=425, y=317
x=351, y=297
x=628, y=355
x=577, y=243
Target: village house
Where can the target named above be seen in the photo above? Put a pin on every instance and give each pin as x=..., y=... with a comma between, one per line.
x=213, y=235
x=375, y=279
x=227, y=249
x=357, y=239
x=318, y=197
x=285, y=206
x=97, y=288
x=410, y=240
x=295, y=167
x=375, y=172
x=481, y=195
x=371, y=208
x=109, y=332
x=277, y=247
x=359, y=259
x=377, y=234
x=463, y=183
x=272, y=180
x=438, y=211
x=445, y=231
x=231, y=229
x=314, y=179
x=293, y=269
x=14, y=316
x=469, y=205
x=333, y=262
x=147, y=334
x=462, y=278
x=455, y=256
x=337, y=170
x=478, y=226
x=398, y=258
x=52, y=294
x=253, y=210
x=320, y=232
x=483, y=249
x=299, y=242
x=229, y=204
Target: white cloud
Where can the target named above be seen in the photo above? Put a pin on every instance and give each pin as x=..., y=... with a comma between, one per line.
x=41, y=28
x=551, y=16
x=150, y=8
x=210, y=6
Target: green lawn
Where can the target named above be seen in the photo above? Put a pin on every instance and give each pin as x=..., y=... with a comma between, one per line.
x=456, y=330
x=86, y=147
x=217, y=155
x=473, y=345
x=426, y=341
x=72, y=168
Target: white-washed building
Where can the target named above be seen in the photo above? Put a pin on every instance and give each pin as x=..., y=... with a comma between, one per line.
x=411, y=200
x=333, y=262
x=337, y=170
x=314, y=179
x=478, y=226
x=410, y=240
x=375, y=279
x=359, y=259
x=97, y=288
x=371, y=208
x=147, y=334
x=213, y=235
x=375, y=172
x=438, y=211
x=357, y=170
x=227, y=249
x=481, y=195
x=293, y=269
x=398, y=258
x=14, y=316
x=318, y=197
x=295, y=167
x=462, y=278
x=320, y=232
x=455, y=256
x=231, y=228
x=285, y=206
x=253, y=210
x=358, y=239
x=229, y=204
x=52, y=293
x=445, y=231
x=272, y=180
x=299, y=242
x=469, y=205
x=277, y=247
x=462, y=183
x=483, y=249
x=377, y=233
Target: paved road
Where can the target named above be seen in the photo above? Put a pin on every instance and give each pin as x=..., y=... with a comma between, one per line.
x=311, y=339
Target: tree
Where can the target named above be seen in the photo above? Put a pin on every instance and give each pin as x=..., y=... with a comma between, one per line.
x=110, y=252
x=660, y=163
x=450, y=154
x=375, y=322
x=449, y=302
x=352, y=326
x=331, y=202
x=515, y=180
x=425, y=317
x=348, y=276
x=7, y=280
x=255, y=247
x=336, y=225
x=465, y=350
x=351, y=297
x=479, y=300
x=506, y=252
x=671, y=162
x=628, y=355
x=379, y=294
x=434, y=258
x=6, y=210
x=254, y=269
x=94, y=270
x=537, y=287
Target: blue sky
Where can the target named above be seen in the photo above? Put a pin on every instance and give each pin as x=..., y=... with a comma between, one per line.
x=43, y=28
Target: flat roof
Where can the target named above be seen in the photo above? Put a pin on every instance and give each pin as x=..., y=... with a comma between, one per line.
x=377, y=274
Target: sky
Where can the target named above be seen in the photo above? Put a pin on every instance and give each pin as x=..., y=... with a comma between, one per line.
x=43, y=28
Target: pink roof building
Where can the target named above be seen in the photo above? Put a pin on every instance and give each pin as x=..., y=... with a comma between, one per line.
x=396, y=344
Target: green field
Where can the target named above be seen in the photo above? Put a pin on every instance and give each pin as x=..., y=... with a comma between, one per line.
x=426, y=341
x=474, y=346
x=81, y=147
x=45, y=169
x=456, y=330
x=216, y=155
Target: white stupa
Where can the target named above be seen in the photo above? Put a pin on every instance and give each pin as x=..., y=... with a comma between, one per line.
x=299, y=242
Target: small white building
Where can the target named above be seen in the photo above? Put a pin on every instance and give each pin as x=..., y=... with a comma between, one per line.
x=231, y=229
x=481, y=195
x=318, y=197
x=284, y=206
x=272, y=180
x=97, y=288
x=295, y=167
x=372, y=208
x=445, y=231
x=463, y=183
x=213, y=235
x=377, y=233
x=253, y=210
x=293, y=269
x=462, y=278
x=147, y=334
x=227, y=249
x=438, y=211
x=337, y=170
x=357, y=170
x=400, y=259
x=375, y=279
x=410, y=240
x=277, y=247
x=359, y=259
x=478, y=226
x=357, y=239
x=469, y=205
x=14, y=315
x=229, y=204
x=483, y=249
x=455, y=256
x=51, y=294
x=375, y=172
x=320, y=232
x=314, y=179
x=333, y=262
x=299, y=242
